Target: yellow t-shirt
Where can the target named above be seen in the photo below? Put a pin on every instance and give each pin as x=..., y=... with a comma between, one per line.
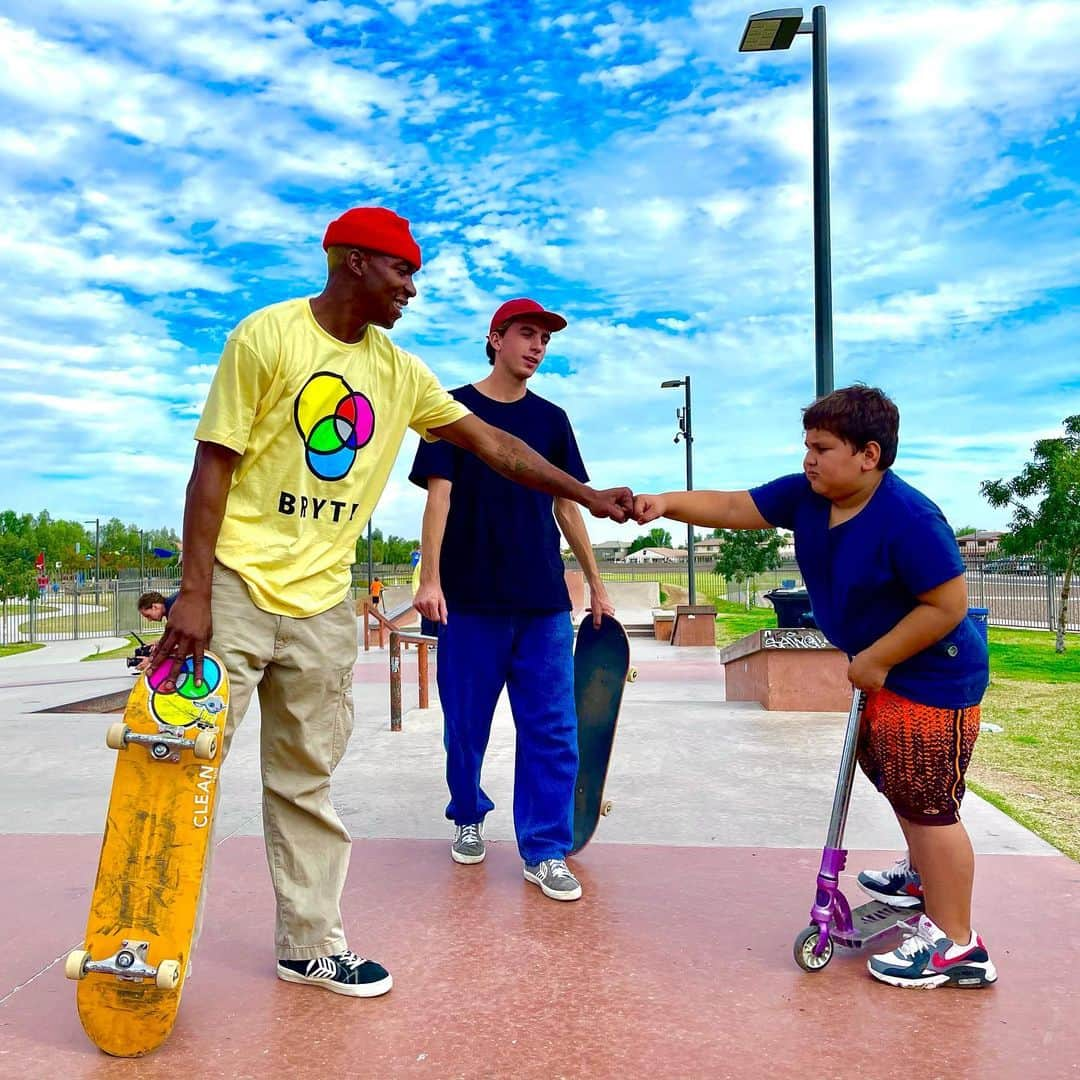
x=318, y=423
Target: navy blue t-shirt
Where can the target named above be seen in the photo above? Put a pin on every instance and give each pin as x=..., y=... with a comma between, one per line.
x=865, y=574
x=501, y=548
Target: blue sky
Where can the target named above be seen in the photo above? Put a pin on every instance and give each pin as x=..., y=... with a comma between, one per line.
x=169, y=167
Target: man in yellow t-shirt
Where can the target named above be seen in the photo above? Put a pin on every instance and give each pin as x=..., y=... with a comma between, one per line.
x=303, y=422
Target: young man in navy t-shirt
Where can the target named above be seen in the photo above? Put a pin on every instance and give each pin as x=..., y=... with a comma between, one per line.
x=492, y=573
x=886, y=582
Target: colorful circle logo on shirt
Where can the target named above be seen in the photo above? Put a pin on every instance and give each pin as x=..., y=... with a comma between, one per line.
x=190, y=700
x=335, y=422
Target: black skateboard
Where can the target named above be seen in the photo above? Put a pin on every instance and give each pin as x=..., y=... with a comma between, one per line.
x=601, y=671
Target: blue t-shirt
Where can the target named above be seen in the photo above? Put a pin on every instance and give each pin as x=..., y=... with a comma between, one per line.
x=865, y=574
x=501, y=549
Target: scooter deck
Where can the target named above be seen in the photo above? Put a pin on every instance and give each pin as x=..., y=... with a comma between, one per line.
x=873, y=920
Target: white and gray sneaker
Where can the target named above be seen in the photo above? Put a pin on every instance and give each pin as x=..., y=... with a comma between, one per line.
x=554, y=878
x=468, y=846
x=343, y=973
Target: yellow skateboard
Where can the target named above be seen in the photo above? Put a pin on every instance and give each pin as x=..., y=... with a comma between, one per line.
x=132, y=966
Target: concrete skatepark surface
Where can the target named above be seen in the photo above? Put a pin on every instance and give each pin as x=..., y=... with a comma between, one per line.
x=675, y=963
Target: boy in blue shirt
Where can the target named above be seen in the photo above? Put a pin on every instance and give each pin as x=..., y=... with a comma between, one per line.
x=886, y=582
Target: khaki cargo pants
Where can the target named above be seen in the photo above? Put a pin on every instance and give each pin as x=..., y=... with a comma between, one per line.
x=302, y=669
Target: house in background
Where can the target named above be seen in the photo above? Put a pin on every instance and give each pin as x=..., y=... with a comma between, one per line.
x=610, y=550
x=709, y=546
x=656, y=555
x=981, y=542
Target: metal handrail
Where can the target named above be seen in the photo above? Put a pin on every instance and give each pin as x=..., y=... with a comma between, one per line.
x=422, y=642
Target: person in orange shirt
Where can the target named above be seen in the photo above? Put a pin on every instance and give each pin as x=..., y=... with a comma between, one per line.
x=375, y=589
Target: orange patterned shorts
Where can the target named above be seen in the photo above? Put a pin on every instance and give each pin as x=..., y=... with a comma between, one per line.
x=916, y=755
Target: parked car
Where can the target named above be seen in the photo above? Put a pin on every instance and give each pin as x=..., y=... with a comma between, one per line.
x=1011, y=564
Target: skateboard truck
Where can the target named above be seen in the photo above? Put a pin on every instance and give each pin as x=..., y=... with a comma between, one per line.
x=128, y=964
x=163, y=745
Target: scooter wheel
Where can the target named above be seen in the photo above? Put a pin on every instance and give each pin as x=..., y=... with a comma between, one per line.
x=806, y=943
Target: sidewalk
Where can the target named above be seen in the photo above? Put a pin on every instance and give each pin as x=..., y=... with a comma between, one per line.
x=676, y=963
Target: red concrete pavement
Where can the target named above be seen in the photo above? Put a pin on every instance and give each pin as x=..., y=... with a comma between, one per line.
x=676, y=963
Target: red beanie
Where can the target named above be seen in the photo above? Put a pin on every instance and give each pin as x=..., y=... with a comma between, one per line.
x=376, y=229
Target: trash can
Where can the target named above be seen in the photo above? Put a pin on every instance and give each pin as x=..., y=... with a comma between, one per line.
x=792, y=607
x=980, y=616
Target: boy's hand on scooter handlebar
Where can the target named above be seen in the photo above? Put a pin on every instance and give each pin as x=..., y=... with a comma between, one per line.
x=866, y=672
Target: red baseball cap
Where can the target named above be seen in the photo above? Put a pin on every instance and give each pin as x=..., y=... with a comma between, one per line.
x=526, y=308
x=374, y=228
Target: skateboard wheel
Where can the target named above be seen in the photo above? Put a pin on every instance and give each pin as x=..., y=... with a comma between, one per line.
x=168, y=975
x=631, y=675
x=607, y=808
x=75, y=964
x=805, y=944
x=116, y=736
x=205, y=745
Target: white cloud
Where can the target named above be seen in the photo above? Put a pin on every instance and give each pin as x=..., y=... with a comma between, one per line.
x=169, y=167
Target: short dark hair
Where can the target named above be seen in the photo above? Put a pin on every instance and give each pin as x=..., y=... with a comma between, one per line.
x=859, y=415
x=149, y=598
x=500, y=330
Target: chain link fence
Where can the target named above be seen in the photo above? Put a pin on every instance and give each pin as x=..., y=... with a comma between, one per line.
x=1017, y=593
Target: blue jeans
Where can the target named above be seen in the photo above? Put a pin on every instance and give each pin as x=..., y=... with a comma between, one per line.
x=531, y=655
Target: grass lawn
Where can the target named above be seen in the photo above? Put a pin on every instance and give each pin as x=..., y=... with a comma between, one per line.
x=1029, y=655
x=124, y=650
x=13, y=607
x=1031, y=770
x=23, y=646
x=734, y=621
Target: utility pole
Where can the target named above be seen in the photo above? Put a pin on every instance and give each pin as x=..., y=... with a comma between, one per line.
x=686, y=433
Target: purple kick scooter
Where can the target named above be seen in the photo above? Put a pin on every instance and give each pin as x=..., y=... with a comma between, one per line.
x=832, y=919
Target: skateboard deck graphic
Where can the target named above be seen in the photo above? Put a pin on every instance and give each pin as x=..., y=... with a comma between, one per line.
x=601, y=671
x=132, y=965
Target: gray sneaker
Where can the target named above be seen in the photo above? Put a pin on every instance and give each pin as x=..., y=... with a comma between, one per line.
x=554, y=878
x=468, y=846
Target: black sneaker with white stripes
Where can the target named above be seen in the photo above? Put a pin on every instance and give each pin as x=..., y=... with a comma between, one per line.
x=343, y=973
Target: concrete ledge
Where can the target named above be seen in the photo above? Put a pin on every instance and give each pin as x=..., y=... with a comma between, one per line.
x=663, y=622
x=695, y=624
x=794, y=670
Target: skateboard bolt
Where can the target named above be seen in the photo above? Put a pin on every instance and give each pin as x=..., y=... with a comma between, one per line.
x=125, y=959
x=160, y=750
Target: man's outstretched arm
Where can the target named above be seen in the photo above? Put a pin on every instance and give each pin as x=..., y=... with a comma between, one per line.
x=514, y=459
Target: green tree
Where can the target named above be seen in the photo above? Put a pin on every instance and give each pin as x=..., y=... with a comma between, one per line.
x=376, y=547
x=745, y=553
x=654, y=538
x=18, y=577
x=1045, y=502
x=397, y=550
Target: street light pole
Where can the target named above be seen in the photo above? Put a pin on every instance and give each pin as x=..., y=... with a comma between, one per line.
x=686, y=433
x=770, y=31
x=823, y=320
